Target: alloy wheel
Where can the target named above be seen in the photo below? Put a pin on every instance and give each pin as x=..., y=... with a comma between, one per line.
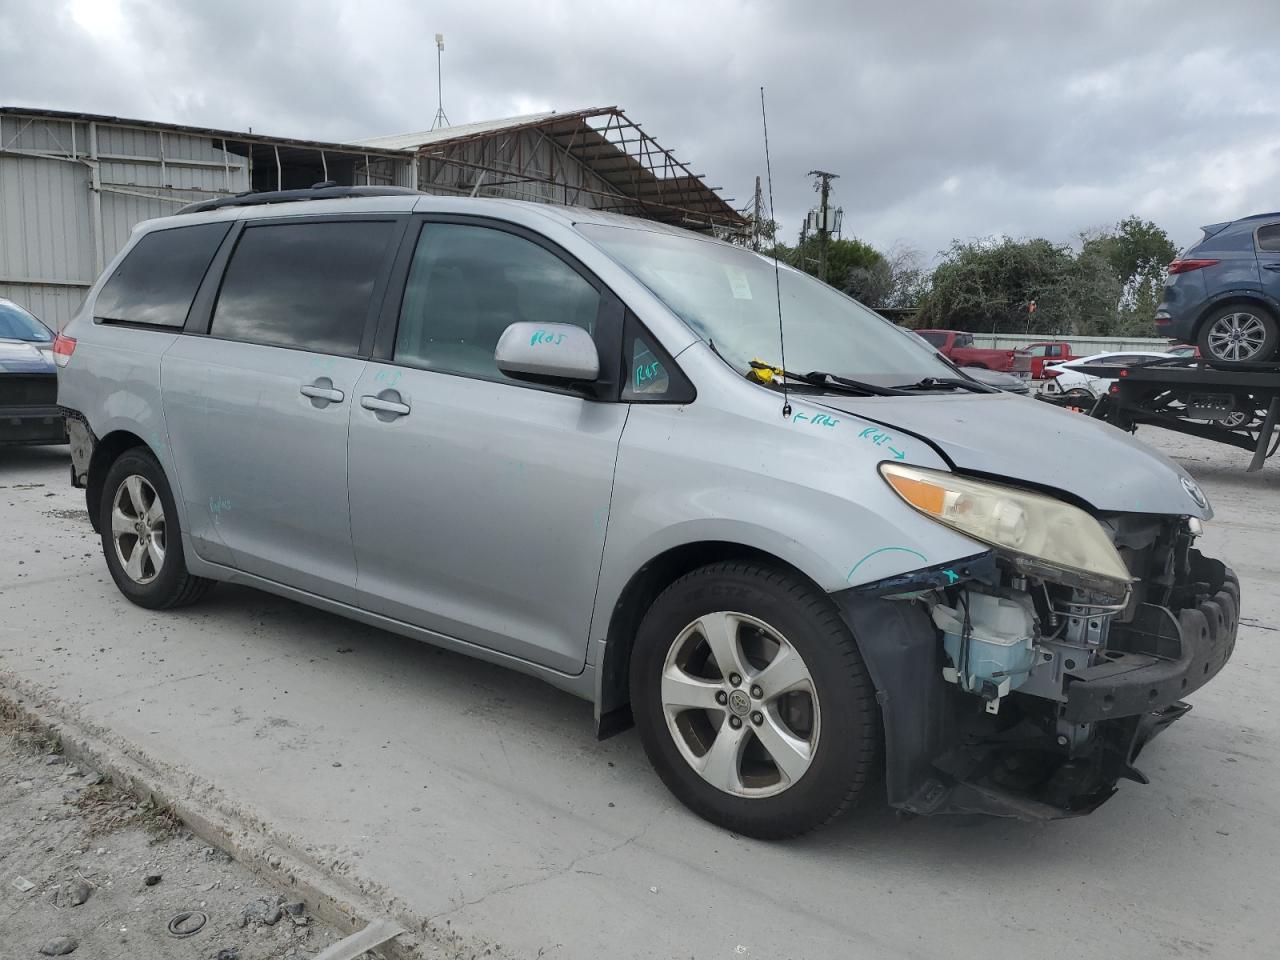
x=740, y=704
x=1237, y=336
x=138, y=529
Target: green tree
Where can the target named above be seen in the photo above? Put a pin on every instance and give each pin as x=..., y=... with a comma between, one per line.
x=843, y=256
x=988, y=285
x=1137, y=252
x=1135, y=249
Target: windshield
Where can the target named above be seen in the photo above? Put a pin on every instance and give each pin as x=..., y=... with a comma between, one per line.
x=17, y=324
x=726, y=294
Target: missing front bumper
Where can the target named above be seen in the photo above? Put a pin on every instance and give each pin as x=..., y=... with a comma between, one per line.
x=936, y=764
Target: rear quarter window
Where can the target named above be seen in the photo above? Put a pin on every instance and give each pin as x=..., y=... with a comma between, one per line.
x=1269, y=238
x=158, y=278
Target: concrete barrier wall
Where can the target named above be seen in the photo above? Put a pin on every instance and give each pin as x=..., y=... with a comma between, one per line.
x=1082, y=346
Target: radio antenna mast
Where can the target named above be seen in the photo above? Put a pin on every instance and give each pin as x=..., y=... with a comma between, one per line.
x=441, y=120
x=777, y=281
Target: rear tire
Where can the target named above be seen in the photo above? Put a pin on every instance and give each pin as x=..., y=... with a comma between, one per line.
x=799, y=743
x=141, y=538
x=1239, y=333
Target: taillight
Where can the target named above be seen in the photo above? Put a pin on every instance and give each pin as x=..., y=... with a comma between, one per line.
x=1186, y=266
x=63, y=348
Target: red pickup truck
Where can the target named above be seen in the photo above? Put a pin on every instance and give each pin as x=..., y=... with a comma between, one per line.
x=958, y=347
x=1050, y=351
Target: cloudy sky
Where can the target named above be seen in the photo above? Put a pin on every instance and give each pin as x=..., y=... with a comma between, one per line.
x=944, y=119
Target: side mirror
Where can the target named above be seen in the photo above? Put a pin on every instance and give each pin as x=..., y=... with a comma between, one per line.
x=548, y=352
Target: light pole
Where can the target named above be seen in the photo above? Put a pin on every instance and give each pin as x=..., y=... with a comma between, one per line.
x=441, y=120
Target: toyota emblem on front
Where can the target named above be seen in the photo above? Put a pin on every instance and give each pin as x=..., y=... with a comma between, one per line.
x=1194, y=491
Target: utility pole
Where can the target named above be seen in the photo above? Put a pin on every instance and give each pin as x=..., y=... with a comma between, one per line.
x=441, y=120
x=824, y=225
x=757, y=217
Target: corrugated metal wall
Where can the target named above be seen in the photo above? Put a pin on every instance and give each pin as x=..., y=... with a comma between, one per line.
x=519, y=152
x=56, y=233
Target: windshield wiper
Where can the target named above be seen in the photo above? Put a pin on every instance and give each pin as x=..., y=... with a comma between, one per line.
x=820, y=378
x=762, y=372
x=948, y=383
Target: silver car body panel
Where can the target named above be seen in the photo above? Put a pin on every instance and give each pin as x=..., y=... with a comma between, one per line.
x=999, y=435
x=481, y=513
x=506, y=520
x=282, y=515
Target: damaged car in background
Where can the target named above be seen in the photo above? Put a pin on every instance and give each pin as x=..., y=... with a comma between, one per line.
x=792, y=575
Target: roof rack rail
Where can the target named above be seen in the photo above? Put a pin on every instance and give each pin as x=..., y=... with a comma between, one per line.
x=326, y=190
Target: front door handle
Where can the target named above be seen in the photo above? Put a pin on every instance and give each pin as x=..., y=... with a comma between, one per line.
x=387, y=405
x=322, y=392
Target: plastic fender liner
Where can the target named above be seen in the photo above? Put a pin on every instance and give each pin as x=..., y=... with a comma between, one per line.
x=899, y=644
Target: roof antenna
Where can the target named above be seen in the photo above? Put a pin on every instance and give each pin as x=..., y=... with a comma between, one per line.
x=441, y=120
x=777, y=283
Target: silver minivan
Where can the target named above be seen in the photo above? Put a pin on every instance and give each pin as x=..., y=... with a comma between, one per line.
x=800, y=551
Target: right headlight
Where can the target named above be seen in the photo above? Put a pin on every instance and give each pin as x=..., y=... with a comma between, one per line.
x=1045, y=530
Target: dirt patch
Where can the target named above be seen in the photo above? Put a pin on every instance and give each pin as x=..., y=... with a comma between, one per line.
x=84, y=863
x=72, y=514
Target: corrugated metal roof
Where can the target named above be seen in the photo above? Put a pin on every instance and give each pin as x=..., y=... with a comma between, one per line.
x=424, y=138
x=239, y=136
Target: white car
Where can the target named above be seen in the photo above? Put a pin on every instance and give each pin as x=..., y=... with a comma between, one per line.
x=1071, y=380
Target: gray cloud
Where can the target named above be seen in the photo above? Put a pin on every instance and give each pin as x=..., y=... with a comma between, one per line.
x=944, y=119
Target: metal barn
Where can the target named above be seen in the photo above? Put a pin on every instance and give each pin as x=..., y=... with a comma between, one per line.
x=595, y=157
x=73, y=185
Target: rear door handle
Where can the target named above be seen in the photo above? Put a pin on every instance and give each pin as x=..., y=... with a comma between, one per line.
x=393, y=408
x=1271, y=266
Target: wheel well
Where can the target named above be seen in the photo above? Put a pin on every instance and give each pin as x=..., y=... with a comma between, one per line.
x=105, y=453
x=1232, y=301
x=638, y=595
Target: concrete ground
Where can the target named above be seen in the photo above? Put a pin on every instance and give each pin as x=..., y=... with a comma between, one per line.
x=88, y=869
x=479, y=800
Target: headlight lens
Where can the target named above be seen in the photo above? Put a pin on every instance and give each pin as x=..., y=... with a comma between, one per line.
x=1029, y=524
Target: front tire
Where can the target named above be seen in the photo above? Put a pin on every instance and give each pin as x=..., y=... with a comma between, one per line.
x=752, y=701
x=141, y=539
x=1239, y=333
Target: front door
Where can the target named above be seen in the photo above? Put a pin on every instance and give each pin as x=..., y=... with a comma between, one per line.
x=258, y=410
x=479, y=503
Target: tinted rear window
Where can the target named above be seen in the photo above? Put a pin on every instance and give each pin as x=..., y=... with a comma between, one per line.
x=1269, y=237
x=303, y=285
x=157, y=280
x=936, y=339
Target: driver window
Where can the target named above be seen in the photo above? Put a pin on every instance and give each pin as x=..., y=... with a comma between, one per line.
x=467, y=284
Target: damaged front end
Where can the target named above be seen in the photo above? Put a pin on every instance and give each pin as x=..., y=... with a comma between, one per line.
x=1007, y=688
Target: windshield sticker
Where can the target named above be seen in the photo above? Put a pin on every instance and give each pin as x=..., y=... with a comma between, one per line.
x=738, y=282
x=541, y=336
x=882, y=439
x=873, y=553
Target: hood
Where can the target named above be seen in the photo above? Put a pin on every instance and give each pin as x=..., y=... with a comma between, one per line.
x=19, y=356
x=999, y=435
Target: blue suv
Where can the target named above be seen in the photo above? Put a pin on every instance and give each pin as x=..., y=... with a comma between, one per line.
x=1223, y=293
